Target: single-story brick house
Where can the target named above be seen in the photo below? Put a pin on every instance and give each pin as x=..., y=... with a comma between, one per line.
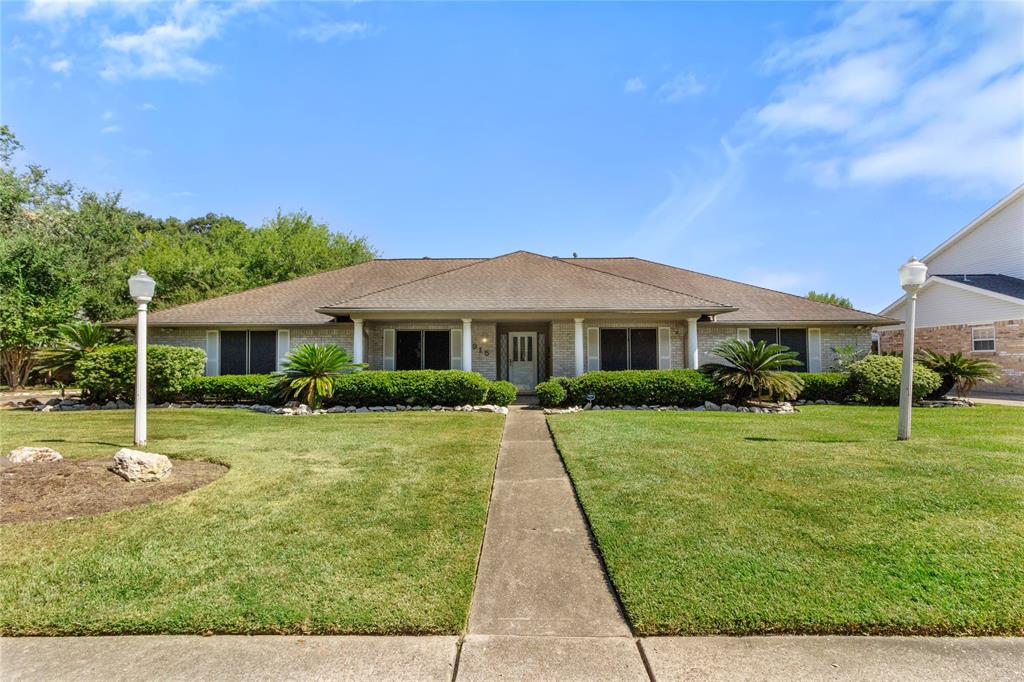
x=973, y=299
x=520, y=316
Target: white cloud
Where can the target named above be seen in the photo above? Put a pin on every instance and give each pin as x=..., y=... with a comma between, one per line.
x=681, y=86
x=107, y=130
x=146, y=106
x=891, y=92
x=332, y=30
x=635, y=84
x=107, y=115
x=168, y=49
x=792, y=281
x=55, y=10
x=60, y=65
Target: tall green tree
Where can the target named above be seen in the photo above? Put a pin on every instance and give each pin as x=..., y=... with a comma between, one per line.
x=831, y=299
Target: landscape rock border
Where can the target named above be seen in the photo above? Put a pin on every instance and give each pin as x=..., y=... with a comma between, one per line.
x=708, y=406
x=291, y=409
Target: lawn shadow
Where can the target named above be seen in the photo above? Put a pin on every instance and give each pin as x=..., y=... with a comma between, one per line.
x=81, y=442
x=763, y=439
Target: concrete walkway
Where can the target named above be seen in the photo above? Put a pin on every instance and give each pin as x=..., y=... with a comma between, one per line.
x=543, y=607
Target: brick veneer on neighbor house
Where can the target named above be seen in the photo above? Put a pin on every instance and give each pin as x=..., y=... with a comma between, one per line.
x=1009, y=352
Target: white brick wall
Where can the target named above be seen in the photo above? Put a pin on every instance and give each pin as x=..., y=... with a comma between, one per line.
x=485, y=359
x=181, y=336
x=709, y=335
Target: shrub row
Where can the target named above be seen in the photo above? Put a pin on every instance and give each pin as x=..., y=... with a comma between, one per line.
x=420, y=387
x=108, y=372
x=834, y=386
x=683, y=387
x=233, y=388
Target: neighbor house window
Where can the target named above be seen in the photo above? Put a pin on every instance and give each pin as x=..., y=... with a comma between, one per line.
x=629, y=349
x=248, y=352
x=422, y=349
x=794, y=339
x=984, y=338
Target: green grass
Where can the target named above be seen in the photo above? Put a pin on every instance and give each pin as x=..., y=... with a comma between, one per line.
x=332, y=524
x=819, y=522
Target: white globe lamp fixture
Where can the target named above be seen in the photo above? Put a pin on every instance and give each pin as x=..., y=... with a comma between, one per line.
x=141, y=287
x=913, y=275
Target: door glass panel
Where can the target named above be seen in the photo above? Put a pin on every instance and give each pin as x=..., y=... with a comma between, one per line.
x=529, y=349
x=232, y=352
x=643, y=349
x=769, y=336
x=407, y=350
x=436, y=354
x=614, y=349
x=262, y=352
x=796, y=339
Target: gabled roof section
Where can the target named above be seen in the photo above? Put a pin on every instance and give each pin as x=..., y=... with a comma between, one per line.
x=755, y=304
x=1004, y=285
x=294, y=302
x=974, y=224
x=521, y=281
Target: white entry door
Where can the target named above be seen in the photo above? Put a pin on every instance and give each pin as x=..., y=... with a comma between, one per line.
x=522, y=359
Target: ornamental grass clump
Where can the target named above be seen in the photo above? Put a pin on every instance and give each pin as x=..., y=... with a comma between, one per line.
x=309, y=372
x=756, y=370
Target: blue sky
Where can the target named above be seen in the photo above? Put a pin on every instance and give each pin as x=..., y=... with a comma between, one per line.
x=796, y=146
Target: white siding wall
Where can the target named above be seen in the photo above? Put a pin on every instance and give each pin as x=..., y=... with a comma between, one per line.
x=943, y=304
x=994, y=247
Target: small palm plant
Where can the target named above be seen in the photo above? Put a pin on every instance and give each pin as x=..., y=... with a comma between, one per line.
x=309, y=372
x=76, y=339
x=756, y=369
x=958, y=371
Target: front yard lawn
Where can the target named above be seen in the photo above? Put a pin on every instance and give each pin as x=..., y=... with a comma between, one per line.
x=367, y=523
x=818, y=522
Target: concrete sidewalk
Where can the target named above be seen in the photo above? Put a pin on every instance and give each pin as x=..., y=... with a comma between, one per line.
x=543, y=607
x=226, y=658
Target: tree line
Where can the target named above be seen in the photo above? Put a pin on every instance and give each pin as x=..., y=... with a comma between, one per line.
x=66, y=254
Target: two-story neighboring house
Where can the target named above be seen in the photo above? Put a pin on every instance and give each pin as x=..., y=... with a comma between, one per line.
x=973, y=300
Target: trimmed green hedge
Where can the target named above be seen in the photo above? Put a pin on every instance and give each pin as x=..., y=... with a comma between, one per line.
x=876, y=380
x=413, y=387
x=108, y=373
x=501, y=393
x=550, y=393
x=834, y=386
x=683, y=387
x=233, y=388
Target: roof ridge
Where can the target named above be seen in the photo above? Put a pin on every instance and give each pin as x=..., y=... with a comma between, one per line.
x=412, y=281
x=640, y=281
x=755, y=286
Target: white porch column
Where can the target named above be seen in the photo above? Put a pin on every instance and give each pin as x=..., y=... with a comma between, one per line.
x=580, y=359
x=357, y=340
x=692, y=355
x=467, y=344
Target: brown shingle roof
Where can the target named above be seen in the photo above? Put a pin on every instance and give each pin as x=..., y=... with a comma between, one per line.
x=526, y=281
x=755, y=304
x=512, y=282
x=295, y=302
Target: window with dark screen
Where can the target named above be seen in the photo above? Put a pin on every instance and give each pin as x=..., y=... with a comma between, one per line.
x=233, y=346
x=643, y=349
x=408, y=350
x=437, y=350
x=794, y=339
x=614, y=349
x=262, y=352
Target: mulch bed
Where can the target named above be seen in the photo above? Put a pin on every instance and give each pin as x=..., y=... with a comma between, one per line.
x=45, y=491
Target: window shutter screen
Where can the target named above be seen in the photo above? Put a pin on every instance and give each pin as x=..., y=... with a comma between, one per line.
x=389, y=348
x=593, y=349
x=813, y=350
x=456, y=349
x=284, y=341
x=743, y=334
x=503, y=355
x=212, y=353
x=664, y=348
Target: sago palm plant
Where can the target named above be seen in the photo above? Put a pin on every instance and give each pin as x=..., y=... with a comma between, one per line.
x=756, y=369
x=958, y=371
x=75, y=340
x=309, y=372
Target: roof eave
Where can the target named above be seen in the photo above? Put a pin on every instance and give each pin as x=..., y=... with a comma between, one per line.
x=702, y=310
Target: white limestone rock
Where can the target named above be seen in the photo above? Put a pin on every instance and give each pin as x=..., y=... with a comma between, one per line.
x=135, y=465
x=32, y=455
